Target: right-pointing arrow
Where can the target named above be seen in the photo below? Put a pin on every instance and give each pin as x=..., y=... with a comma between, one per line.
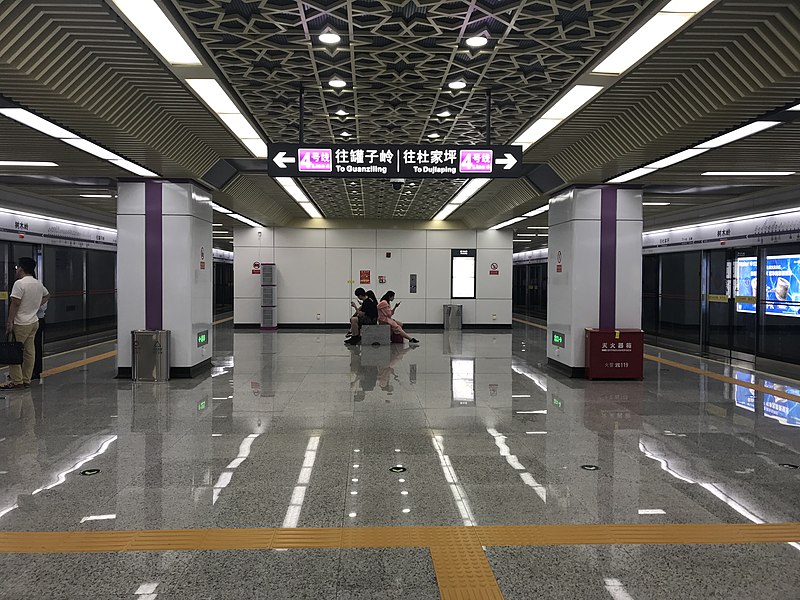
x=282, y=160
x=509, y=161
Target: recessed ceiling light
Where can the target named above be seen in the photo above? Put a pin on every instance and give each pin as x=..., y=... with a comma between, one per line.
x=676, y=158
x=738, y=134
x=433, y=135
x=507, y=223
x=477, y=41
x=256, y=146
x=240, y=126
x=337, y=82
x=537, y=211
x=345, y=134
x=36, y=122
x=156, y=27
x=645, y=40
x=132, y=167
x=635, y=174
x=211, y=92
x=444, y=114
x=330, y=38
x=457, y=85
x=572, y=101
x=545, y=227
x=655, y=203
x=220, y=209
x=795, y=108
x=96, y=196
x=91, y=148
x=27, y=163
x=749, y=173
x=341, y=113
x=244, y=220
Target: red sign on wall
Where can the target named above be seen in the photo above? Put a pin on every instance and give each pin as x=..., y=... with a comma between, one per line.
x=256, y=268
x=494, y=269
x=364, y=278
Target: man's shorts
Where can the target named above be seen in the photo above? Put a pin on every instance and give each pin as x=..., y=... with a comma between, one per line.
x=365, y=320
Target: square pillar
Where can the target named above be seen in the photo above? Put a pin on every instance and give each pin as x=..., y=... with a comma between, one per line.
x=594, y=269
x=165, y=270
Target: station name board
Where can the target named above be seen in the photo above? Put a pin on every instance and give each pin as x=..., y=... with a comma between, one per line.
x=394, y=161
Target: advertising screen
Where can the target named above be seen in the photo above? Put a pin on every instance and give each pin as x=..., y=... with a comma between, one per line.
x=746, y=282
x=783, y=285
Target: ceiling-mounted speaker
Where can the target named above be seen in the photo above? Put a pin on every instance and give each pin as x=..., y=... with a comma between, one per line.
x=544, y=178
x=220, y=174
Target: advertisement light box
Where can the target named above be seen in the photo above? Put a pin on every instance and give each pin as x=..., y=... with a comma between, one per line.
x=746, y=283
x=783, y=285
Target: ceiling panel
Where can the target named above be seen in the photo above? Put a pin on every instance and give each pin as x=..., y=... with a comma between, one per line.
x=734, y=64
x=397, y=58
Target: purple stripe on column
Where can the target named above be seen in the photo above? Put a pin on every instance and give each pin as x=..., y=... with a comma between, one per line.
x=153, y=250
x=608, y=257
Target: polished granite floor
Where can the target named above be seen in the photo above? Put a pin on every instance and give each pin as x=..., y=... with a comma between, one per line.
x=296, y=430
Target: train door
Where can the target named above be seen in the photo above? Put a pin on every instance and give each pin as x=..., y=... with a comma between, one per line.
x=729, y=303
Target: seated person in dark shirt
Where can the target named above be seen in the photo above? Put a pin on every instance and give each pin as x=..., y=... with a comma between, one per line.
x=366, y=314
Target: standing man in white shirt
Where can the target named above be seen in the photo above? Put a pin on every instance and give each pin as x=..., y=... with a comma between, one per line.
x=27, y=297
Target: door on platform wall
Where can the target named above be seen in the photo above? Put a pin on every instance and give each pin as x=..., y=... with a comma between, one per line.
x=729, y=303
x=363, y=266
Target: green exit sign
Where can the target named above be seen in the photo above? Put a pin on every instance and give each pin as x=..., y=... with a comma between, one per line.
x=201, y=405
x=556, y=402
x=558, y=339
x=202, y=338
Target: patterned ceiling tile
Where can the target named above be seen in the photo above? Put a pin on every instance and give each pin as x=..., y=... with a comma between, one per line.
x=397, y=57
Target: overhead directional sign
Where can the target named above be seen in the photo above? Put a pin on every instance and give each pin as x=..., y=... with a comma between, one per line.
x=394, y=161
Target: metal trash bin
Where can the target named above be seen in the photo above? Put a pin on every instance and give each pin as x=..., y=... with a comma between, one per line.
x=150, y=355
x=452, y=315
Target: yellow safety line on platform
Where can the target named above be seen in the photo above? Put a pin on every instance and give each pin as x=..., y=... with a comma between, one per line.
x=78, y=364
x=523, y=321
x=724, y=378
x=710, y=374
x=97, y=358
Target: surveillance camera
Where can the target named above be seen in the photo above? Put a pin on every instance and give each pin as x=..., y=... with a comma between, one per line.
x=397, y=184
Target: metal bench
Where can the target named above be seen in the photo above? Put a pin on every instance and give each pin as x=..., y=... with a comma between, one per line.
x=376, y=334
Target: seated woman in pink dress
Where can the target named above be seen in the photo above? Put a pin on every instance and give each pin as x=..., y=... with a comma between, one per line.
x=386, y=315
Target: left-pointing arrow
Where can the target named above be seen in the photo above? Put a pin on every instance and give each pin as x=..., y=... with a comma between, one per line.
x=509, y=161
x=282, y=160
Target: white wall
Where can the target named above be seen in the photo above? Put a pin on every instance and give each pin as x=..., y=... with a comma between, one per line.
x=318, y=269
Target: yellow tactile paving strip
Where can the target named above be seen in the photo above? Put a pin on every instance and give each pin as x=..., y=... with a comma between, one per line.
x=396, y=537
x=698, y=371
x=462, y=569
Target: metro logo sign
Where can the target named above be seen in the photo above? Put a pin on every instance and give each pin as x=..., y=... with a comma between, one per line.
x=315, y=160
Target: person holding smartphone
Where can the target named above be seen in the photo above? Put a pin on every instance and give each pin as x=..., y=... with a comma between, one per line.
x=386, y=315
